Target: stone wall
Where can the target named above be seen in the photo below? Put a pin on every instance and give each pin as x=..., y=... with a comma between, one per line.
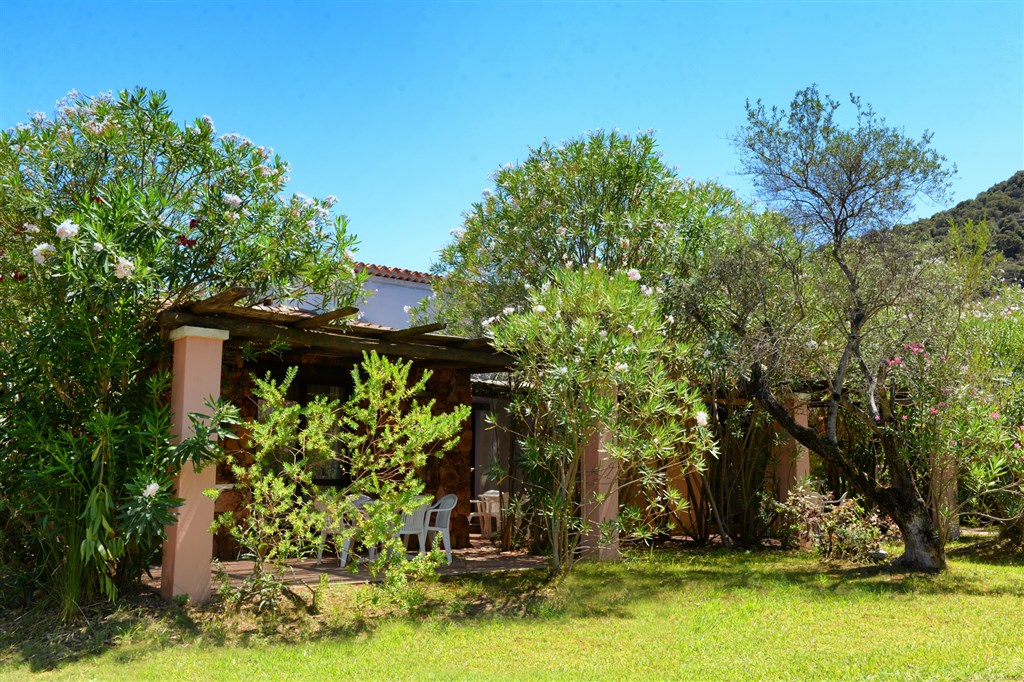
x=452, y=473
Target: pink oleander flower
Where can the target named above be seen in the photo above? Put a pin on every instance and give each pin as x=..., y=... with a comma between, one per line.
x=994, y=415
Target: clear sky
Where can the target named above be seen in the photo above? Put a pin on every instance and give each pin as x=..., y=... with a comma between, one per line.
x=404, y=109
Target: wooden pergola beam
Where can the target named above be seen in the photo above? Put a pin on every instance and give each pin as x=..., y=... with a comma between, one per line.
x=222, y=300
x=324, y=319
x=339, y=343
x=474, y=344
x=414, y=331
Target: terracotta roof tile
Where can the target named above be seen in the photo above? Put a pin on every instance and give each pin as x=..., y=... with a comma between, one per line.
x=394, y=273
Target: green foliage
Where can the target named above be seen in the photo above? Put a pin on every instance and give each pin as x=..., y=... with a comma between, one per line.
x=591, y=355
x=825, y=294
x=603, y=198
x=837, y=180
x=387, y=434
x=839, y=530
x=1002, y=207
x=382, y=436
x=108, y=212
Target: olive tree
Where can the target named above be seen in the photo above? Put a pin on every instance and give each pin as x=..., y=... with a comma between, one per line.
x=823, y=296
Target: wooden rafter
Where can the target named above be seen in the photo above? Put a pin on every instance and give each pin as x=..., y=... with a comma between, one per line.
x=333, y=340
x=414, y=331
x=324, y=319
x=225, y=299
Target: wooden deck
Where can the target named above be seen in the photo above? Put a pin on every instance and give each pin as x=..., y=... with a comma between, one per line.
x=482, y=557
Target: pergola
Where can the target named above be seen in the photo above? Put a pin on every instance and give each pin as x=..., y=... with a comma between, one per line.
x=198, y=331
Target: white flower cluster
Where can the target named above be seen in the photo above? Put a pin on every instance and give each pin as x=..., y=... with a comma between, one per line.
x=633, y=274
x=41, y=252
x=124, y=268
x=67, y=230
x=701, y=418
x=232, y=200
x=621, y=367
x=151, y=490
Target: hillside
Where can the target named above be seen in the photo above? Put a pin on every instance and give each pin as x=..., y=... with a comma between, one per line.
x=1002, y=205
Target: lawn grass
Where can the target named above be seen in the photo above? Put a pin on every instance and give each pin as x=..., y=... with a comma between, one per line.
x=695, y=615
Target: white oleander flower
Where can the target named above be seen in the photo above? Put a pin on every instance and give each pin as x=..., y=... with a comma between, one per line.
x=151, y=490
x=539, y=309
x=232, y=200
x=67, y=230
x=633, y=274
x=621, y=367
x=41, y=252
x=701, y=418
x=124, y=268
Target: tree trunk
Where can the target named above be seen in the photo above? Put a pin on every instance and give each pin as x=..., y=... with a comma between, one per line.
x=923, y=544
x=922, y=547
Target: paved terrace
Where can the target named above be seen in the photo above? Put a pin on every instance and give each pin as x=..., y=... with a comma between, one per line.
x=481, y=557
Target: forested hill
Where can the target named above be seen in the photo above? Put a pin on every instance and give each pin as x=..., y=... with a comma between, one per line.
x=1002, y=206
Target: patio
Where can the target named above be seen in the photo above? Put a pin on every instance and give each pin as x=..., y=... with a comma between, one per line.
x=480, y=557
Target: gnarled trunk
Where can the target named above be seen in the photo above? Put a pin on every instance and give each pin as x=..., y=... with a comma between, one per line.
x=922, y=546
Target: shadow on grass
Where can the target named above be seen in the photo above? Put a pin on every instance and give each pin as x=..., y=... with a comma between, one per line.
x=40, y=639
x=620, y=590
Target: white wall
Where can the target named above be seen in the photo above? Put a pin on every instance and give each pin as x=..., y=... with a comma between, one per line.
x=389, y=298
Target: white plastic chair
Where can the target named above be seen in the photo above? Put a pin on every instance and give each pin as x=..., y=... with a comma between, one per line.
x=438, y=519
x=415, y=524
x=334, y=526
x=488, y=508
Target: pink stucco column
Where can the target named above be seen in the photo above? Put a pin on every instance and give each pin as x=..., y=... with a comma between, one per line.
x=188, y=549
x=601, y=478
x=793, y=461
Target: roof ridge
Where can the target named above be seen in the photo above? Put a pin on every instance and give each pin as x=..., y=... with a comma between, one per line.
x=388, y=272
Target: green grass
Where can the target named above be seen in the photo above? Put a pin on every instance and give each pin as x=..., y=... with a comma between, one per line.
x=701, y=615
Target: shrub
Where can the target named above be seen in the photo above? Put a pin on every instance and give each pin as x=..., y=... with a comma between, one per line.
x=110, y=211
x=837, y=531
x=382, y=436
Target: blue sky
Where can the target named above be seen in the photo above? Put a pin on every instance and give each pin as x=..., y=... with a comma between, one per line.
x=403, y=109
